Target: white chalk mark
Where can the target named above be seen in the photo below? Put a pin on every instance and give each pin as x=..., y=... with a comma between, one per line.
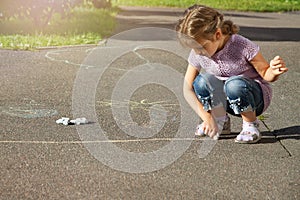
x=98, y=141
x=30, y=110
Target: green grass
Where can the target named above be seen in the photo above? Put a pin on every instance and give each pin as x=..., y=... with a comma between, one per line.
x=31, y=42
x=240, y=5
x=83, y=26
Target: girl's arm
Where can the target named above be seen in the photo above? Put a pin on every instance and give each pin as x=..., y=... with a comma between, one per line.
x=269, y=72
x=209, y=125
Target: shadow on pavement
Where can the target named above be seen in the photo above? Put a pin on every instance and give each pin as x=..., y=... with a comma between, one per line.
x=271, y=34
x=272, y=137
x=288, y=133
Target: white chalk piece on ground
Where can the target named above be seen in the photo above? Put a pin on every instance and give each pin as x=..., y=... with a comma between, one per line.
x=66, y=121
x=79, y=121
x=63, y=120
x=216, y=137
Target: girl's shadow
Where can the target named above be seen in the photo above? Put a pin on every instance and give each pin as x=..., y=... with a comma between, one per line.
x=274, y=136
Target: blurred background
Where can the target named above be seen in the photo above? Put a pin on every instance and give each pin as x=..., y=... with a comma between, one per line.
x=29, y=24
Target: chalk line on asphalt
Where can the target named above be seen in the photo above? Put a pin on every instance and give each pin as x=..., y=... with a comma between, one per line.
x=97, y=141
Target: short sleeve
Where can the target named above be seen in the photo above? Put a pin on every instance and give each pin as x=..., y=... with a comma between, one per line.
x=192, y=60
x=249, y=48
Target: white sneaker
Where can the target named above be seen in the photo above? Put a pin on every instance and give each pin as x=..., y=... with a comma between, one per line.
x=250, y=133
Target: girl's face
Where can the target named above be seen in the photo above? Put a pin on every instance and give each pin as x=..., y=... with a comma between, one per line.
x=210, y=47
x=207, y=47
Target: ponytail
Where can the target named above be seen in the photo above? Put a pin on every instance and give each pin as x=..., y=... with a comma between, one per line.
x=229, y=28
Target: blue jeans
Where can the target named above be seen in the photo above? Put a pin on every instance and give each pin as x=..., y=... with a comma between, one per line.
x=237, y=94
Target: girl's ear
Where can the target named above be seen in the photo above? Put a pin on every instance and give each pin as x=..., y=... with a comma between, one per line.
x=218, y=34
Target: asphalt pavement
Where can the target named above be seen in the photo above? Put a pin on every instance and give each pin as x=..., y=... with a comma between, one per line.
x=139, y=141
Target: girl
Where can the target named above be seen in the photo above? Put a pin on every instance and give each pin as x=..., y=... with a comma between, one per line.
x=235, y=69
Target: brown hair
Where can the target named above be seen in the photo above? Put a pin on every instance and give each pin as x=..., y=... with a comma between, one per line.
x=202, y=22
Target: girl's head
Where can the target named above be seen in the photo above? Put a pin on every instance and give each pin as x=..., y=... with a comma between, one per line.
x=201, y=23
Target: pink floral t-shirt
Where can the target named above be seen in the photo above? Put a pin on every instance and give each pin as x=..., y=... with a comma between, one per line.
x=233, y=60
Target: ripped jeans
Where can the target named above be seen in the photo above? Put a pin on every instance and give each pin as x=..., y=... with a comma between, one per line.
x=237, y=94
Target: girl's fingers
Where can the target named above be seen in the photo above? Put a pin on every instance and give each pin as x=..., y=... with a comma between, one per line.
x=276, y=61
x=278, y=64
x=277, y=58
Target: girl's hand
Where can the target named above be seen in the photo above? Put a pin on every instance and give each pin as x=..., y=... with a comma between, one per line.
x=278, y=66
x=210, y=127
